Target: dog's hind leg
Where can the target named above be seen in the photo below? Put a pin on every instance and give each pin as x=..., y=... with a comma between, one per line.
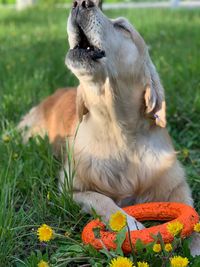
x=172, y=186
x=32, y=124
x=181, y=193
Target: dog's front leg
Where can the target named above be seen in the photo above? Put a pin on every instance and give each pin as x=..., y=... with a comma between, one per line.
x=103, y=206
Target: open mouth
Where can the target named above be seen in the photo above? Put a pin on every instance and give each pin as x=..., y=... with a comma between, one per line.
x=84, y=47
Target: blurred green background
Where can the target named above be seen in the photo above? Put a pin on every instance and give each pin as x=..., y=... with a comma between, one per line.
x=69, y=1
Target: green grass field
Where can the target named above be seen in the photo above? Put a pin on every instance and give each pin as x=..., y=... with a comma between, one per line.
x=33, y=45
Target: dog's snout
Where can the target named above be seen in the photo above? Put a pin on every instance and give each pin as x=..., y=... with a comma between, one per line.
x=83, y=4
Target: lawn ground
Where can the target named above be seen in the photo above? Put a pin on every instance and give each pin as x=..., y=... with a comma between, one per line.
x=33, y=45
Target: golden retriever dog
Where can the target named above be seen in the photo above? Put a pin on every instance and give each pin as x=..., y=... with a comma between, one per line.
x=122, y=151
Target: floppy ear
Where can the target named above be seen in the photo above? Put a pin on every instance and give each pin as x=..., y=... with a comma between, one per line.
x=80, y=106
x=154, y=96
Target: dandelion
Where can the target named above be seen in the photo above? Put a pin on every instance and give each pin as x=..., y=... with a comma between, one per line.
x=45, y=233
x=142, y=264
x=6, y=138
x=15, y=156
x=156, y=248
x=117, y=221
x=197, y=227
x=185, y=153
x=175, y=228
x=178, y=261
x=43, y=264
x=67, y=234
x=168, y=247
x=121, y=262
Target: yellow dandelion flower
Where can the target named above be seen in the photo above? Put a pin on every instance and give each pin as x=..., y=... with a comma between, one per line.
x=43, y=264
x=117, y=221
x=15, y=156
x=67, y=234
x=142, y=264
x=197, y=227
x=175, y=228
x=45, y=233
x=186, y=153
x=168, y=247
x=157, y=248
x=178, y=261
x=6, y=138
x=121, y=262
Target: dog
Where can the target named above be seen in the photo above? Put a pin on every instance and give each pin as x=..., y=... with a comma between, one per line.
x=122, y=151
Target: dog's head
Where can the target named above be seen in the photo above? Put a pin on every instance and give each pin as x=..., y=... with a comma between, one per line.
x=104, y=50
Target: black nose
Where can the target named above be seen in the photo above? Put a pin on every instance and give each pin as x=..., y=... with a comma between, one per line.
x=83, y=3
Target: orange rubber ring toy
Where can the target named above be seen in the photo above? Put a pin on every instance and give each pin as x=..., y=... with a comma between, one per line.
x=161, y=211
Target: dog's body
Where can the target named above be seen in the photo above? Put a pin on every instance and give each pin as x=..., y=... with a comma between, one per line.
x=122, y=151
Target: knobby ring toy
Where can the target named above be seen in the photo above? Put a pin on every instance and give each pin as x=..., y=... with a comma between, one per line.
x=158, y=211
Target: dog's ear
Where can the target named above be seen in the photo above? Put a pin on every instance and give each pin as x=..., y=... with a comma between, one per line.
x=80, y=106
x=154, y=95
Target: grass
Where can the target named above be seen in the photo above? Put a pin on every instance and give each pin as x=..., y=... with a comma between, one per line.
x=32, y=52
x=53, y=2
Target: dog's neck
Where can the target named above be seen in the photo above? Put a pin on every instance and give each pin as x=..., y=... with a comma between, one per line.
x=113, y=107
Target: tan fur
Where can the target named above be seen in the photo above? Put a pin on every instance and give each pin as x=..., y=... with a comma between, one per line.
x=55, y=116
x=123, y=153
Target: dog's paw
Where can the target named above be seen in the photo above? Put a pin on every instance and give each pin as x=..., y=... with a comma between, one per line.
x=133, y=224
